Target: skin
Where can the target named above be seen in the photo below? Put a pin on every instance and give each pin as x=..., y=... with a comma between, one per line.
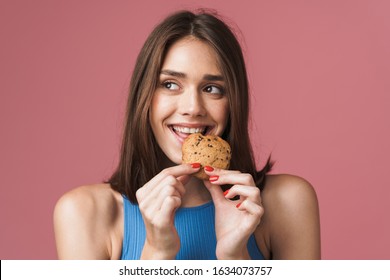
x=284, y=218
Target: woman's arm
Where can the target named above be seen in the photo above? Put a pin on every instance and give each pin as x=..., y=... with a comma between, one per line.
x=292, y=218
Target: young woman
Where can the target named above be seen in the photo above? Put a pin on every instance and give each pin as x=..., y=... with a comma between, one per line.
x=190, y=77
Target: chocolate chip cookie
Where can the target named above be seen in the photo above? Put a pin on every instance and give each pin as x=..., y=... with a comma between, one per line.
x=208, y=150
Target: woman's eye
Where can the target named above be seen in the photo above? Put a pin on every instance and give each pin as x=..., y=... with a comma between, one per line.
x=171, y=86
x=213, y=90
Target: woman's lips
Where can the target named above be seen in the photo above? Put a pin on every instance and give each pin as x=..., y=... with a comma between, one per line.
x=189, y=130
x=182, y=132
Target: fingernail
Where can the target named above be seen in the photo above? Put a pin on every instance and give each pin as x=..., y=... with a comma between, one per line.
x=208, y=168
x=195, y=165
x=238, y=205
x=226, y=192
x=213, y=178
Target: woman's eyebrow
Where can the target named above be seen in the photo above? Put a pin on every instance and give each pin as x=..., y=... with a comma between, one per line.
x=173, y=73
x=207, y=77
x=210, y=77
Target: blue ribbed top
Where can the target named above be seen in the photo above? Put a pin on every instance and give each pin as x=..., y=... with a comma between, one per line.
x=195, y=227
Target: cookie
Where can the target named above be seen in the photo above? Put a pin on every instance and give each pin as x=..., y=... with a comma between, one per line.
x=208, y=150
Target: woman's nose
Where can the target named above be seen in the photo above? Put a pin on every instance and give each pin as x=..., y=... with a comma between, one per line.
x=191, y=103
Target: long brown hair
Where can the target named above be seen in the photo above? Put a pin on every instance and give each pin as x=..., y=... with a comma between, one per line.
x=141, y=157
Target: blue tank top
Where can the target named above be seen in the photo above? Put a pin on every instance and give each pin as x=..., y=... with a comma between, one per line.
x=195, y=227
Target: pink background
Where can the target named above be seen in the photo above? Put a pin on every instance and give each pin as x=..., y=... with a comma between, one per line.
x=319, y=73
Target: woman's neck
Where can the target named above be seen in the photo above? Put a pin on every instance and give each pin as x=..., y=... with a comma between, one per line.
x=196, y=193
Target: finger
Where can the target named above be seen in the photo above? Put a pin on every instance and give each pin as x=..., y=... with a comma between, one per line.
x=168, y=186
x=152, y=201
x=155, y=190
x=184, y=179
x=215, y=191
x=250, y=192
x=232, y=178
x=169, y=191
x=168, y=209
x=176, y=171
x=210, y=170
x=252, y=208
x=182, y=169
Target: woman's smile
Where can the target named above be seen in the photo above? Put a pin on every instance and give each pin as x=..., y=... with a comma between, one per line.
x=182, y=131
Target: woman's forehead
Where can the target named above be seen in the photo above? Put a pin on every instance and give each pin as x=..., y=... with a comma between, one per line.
x=190, y=55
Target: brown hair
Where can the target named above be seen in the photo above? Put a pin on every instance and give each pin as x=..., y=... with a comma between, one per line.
x=141, y=157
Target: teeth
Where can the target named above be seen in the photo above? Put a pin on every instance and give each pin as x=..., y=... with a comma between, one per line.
x=189, y=130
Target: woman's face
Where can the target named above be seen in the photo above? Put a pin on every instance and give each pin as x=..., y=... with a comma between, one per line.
x=190, y=96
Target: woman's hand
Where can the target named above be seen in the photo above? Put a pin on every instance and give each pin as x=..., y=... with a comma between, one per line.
x=235, y=220
x=158, y=200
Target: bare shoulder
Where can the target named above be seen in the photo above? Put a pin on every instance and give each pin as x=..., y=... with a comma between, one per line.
x=291, y=218
x=289, y=190
x=87, y=220
x=88, y=199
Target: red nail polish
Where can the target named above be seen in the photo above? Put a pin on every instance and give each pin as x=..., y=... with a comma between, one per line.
x=226, y=192
x=213, y=178
x=195, y=165
x=208, y=168
x=238, y=205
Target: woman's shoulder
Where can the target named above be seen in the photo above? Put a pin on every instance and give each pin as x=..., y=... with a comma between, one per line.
x=89, y=199
x=287, y=186
x=87, y=216
x=288, y=194
x=291, y=217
